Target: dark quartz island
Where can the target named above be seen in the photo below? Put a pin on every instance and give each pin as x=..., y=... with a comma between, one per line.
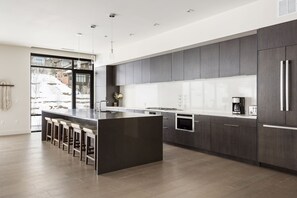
x=124, y=139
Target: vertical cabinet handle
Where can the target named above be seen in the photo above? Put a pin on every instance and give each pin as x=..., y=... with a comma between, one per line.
x=287, y=85
x=282, y=85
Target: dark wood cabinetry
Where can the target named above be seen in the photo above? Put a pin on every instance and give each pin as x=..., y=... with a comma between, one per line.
x=202, y=132
x=145, y=70
x=248, y=55
x=280, y=35
x=234, y=137
x=229, y=58
x=192, y=64
x=177, y=66
x=137, y=73
x=210, y=61
x=169, y=127
x=160, y=68
x=129, y=73
x=121, y=75
x=278, y=147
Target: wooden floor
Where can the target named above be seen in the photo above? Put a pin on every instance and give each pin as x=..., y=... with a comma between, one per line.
x=31, y=168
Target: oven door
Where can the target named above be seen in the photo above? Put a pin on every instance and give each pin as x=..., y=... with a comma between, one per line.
x=184, y=123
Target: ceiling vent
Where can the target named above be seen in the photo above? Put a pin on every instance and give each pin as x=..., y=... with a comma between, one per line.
x=286, y=7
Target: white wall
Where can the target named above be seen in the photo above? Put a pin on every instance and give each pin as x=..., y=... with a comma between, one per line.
x=207, y=95
x=15, y=67
x=243, y=19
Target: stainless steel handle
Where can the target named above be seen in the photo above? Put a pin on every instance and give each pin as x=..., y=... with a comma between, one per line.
x=165, y=127
x=279, y=127
x=231, y=125
x=282, y=85
x=165, y=118
x=196, y=121
x=287, y=85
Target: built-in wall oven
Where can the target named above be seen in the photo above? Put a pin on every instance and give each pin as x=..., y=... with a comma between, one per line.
x=184, y=122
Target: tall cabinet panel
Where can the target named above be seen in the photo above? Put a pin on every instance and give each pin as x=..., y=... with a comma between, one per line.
x=121, y=75
x=291, y=56
x=137, y=74
x=129, y=73
x=269, y=86
x=192, y=64
x=160, y=69
x=177, y=66
x=229, y=58
x=210, y=61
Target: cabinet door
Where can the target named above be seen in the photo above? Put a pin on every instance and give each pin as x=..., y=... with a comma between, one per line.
x=210, y=61
x=246, y=143
x=291, y=115
x=177, y=66
x=161, y=68
x=248, y=55
x=145, y=70
x=222, y=138
x=192, y=64
x=229, y=58
x=129, y=73
x=269, y=86
x=278, y=147
x=278, y=35
x=202, y=132
x=168, y=127
x=121, y=75
x=137, y=74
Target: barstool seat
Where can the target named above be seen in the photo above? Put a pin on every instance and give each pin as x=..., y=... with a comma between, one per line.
x=49, y=129
x=91, y=151
x=67, y=134
x=78, y=140
x=57, y=131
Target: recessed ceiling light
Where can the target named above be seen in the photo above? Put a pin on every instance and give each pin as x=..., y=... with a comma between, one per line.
x=79, y=34
x=93, y=26
x=105, y=36
x=131, y=34
x=156, y=24
x=190, y=10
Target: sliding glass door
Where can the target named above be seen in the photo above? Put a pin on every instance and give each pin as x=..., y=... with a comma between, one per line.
x=58, y=83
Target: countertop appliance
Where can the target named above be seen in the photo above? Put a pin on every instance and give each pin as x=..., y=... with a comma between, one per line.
x=253, y=110
x=238, y=105
x=184, y=122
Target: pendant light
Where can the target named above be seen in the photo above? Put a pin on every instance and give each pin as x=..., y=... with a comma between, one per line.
x=111, y=54
x=93, y=54
x=79, y=35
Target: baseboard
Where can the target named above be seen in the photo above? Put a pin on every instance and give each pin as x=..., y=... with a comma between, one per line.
x=14, y=132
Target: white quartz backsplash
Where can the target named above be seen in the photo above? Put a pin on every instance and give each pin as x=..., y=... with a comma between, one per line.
x=208, y=95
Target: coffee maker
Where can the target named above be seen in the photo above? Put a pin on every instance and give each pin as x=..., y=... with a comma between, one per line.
x=238, y=105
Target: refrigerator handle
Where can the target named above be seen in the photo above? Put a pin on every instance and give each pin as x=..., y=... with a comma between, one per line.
x=287, y=85
x=282, y=85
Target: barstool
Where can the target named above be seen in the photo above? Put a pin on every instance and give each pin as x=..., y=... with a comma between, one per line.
x=49, y=129
x=91, y=151
x=67, y=135
x=57, y=131
x=78, y=140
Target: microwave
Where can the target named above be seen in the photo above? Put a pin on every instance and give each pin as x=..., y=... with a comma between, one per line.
x=184, y=122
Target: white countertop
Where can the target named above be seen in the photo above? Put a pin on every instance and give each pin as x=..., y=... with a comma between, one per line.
x=195, y=112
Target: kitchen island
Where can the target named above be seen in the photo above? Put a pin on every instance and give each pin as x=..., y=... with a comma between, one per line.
x=124, y=139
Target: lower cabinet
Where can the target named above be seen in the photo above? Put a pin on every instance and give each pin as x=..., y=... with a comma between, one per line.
x=235, y=137
x=169, y=127
x=277, y=147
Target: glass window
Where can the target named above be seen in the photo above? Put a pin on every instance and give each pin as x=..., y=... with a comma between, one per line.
x=51, y=62
x=84, y=65
x=83, y=91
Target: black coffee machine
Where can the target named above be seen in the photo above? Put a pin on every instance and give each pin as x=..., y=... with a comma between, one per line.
x=238, y=105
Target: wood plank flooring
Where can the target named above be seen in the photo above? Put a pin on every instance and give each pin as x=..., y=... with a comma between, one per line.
x=31, y=168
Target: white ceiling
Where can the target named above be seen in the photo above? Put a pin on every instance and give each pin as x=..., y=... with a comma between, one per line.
x=54, y=23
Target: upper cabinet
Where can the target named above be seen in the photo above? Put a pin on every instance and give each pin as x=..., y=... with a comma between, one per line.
x=160, y=69
x=248, y=55
x=137, y=73
x=145, y=70
x=229, y=58
x=177, y=66
x=121, y=74
x=278, y=35
x=191, y=64
x=210, y=61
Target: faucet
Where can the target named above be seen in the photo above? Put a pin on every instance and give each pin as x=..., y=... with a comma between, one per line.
x=100, y=105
